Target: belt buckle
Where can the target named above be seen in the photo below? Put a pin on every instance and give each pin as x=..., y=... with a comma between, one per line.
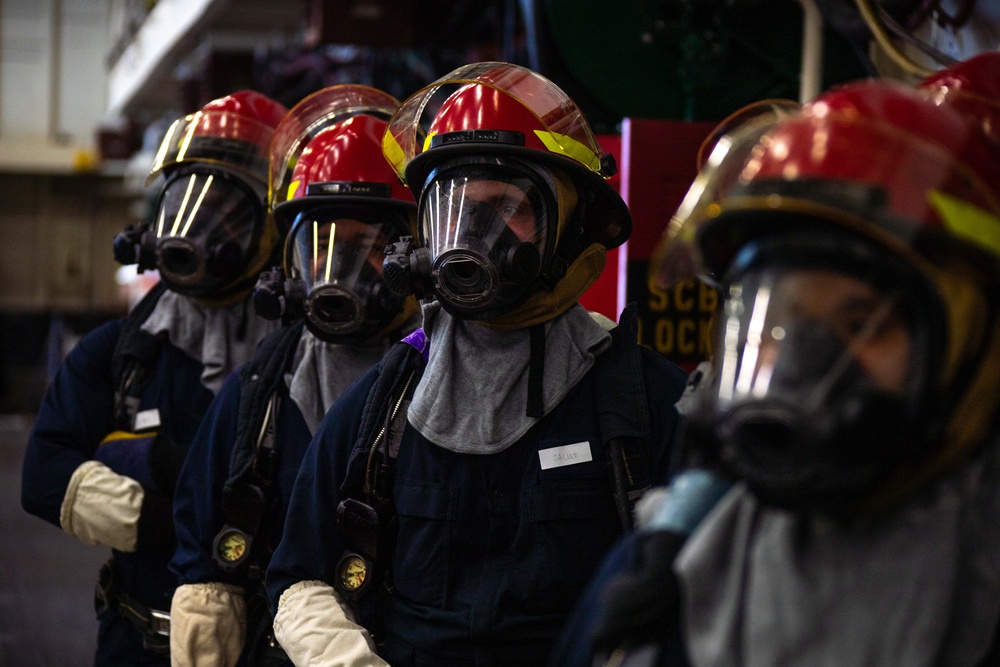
x=159, y=621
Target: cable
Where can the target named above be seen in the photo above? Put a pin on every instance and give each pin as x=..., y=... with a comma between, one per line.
x=878, y=31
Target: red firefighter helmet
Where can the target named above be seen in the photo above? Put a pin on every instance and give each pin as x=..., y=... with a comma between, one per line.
x=315, y=113
x=973, y=87
x=874, y=156
x=508, y=110
x=343, y=162
x=339, y=203
x=876, y=162
x=233, y=131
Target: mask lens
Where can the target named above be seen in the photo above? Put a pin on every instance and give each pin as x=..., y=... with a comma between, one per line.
x=487, y=228
x=816, y=378
x=327, y=249
x=802, y=328
x=337, y=253
x=206, y=227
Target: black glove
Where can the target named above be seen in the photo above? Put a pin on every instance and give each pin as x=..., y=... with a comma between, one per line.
x=641, y=605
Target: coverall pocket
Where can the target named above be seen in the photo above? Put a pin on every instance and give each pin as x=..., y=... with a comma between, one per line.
x=570, y=530
x=420, y=561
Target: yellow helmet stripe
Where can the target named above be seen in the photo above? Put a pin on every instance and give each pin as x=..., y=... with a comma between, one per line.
x=394, y=153
x=968, y=221
x=566, y=145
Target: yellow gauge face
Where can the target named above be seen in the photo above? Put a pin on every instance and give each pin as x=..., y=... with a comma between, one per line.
x=352, y=573
x=232, y=547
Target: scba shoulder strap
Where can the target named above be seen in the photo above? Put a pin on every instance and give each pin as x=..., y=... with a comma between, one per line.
x=133, y=359
x=366, y=518
x=246, y=495
x=623, y=415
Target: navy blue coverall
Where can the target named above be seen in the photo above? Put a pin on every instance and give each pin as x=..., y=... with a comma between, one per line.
x=492, y=550
x=74, y=417
x=198, y=496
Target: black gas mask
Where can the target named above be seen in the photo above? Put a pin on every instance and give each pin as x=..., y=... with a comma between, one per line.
x=205, y=234
x=332, y=273
x=487, y=232
x=818, y=381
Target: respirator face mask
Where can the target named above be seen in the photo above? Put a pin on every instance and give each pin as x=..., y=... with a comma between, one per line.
x=336, y=253
x=206, y=230
x=817, y=382
x=490, y=230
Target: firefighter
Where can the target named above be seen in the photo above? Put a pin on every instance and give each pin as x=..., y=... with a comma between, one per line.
x=116, y=422
x=339, y=204
x=854, y=399
x=458, y=497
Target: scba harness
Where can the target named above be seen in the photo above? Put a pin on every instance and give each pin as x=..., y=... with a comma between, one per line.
x=366, y=518
x=249, y=495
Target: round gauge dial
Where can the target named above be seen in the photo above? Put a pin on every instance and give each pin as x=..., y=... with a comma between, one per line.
x=232, y=546
x=353, y=571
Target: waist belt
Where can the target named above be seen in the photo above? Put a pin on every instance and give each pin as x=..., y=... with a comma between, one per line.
x=152, y=624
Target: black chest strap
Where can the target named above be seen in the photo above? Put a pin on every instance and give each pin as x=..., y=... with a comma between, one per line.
x=253, y=458
x=399, y=372
x=623, y=415
x=134, y=359
x=247, y=495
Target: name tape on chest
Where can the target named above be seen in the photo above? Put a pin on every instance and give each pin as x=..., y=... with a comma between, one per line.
x=566, y=455
x=147, y=419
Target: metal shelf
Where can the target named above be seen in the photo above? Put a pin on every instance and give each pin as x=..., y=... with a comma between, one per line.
x=144, y=76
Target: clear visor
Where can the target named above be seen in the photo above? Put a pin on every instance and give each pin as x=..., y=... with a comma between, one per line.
x=566, y=130
x=216, y=137
x=487, y=230
x=767, y=110
x=310, y=116
x=206, y=229
x=811, y=165
x=800, y=336
x=337, y=252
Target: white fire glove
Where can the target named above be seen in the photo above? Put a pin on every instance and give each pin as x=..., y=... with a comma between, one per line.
x=102, y=507
x=208, y=625
x=317, y=629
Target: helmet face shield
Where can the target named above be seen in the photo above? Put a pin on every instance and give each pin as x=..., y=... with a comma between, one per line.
x=336, y=251
x=818, y=376
x=488, y=229
x=309, y=118
x=802, y=329
x=812, y=165
x=206, y=230
x=233, y=131
x=558, y=124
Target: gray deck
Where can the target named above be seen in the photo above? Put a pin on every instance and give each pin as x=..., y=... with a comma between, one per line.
x=46, y=578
